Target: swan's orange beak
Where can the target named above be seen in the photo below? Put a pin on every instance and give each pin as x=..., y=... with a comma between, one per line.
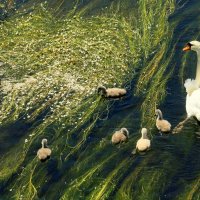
x=187, y=48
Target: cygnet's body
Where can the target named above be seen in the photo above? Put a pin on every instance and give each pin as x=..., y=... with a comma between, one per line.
x=144, y=142
x=120, y=136
x=112, y=92
x=162, y=124
x=44, y=153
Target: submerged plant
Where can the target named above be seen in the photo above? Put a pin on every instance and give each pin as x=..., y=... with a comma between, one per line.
x=53, y=69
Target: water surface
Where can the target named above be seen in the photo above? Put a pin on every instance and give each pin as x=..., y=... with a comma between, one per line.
x=84, y=164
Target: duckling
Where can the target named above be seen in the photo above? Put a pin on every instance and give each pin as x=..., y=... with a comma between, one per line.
x=162, y=124
x=144, y=142
x=44, y=153
x=120, y=136
x=112, y=92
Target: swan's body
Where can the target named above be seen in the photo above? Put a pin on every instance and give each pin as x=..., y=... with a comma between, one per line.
x=190, y=86
x=193, y=104
x=112, y=92
x=44, y=153
x=120, y=136
x=144, y=142
x=162, y=124
x=193, y=86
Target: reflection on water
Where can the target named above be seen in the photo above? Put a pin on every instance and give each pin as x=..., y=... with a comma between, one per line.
x=92, y=168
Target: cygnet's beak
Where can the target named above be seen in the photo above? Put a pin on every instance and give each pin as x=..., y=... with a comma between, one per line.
x=187, y=47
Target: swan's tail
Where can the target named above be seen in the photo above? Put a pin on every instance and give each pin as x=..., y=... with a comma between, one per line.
x=190, y=86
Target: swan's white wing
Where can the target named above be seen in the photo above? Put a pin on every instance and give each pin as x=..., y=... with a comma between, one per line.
x=193, y=104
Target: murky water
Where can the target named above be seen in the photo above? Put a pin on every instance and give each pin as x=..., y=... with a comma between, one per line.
x=89, y=167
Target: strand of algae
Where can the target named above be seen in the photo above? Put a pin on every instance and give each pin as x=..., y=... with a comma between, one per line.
x=27, y=189
x=155, y=93
x=106, y=185
x=193, y=191
x=41, y=129
x=153, y=78
x=147, y=182
x=114, y=71
x=106, y=188
x=87, y=176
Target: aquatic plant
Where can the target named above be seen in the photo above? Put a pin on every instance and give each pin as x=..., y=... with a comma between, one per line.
x=53, y=67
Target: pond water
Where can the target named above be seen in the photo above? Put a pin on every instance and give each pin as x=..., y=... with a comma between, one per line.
x=84, y=165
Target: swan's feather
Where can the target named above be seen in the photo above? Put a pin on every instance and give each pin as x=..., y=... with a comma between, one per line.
x=190, y=86
x=193, y=104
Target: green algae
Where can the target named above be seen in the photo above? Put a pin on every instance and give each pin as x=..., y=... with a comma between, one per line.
x=191, y=191
x=54, y=68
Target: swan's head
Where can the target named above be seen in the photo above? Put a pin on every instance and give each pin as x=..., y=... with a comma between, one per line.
x=44, y=142
x=101, y=90
x=144, y=133
x=125, y=132
x=158, y=114
x=193, y=45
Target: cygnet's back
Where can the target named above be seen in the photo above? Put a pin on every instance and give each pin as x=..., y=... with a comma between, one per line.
x=143, y=143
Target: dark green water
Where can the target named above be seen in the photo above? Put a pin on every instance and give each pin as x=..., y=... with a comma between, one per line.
x=98, y=170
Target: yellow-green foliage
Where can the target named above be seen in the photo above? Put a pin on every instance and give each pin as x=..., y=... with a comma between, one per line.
x=191, y=191
x=53, y=68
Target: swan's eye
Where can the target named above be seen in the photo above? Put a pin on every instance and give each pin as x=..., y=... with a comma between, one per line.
x=189, y=44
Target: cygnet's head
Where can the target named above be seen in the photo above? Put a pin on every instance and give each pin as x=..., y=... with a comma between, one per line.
x=44, y=142
x=193, y=45
x=125, y=132
x=158, y=114
x=144, y=133
x=101, y=90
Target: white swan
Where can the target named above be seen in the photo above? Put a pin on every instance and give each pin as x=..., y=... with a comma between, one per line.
x=193, y=86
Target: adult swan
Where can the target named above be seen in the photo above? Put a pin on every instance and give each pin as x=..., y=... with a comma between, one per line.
x=193, y=86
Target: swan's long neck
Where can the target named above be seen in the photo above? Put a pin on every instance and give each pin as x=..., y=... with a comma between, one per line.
x=198, y=69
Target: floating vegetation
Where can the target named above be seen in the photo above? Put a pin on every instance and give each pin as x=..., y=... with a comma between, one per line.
x=6, y=7
x=53, y=69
